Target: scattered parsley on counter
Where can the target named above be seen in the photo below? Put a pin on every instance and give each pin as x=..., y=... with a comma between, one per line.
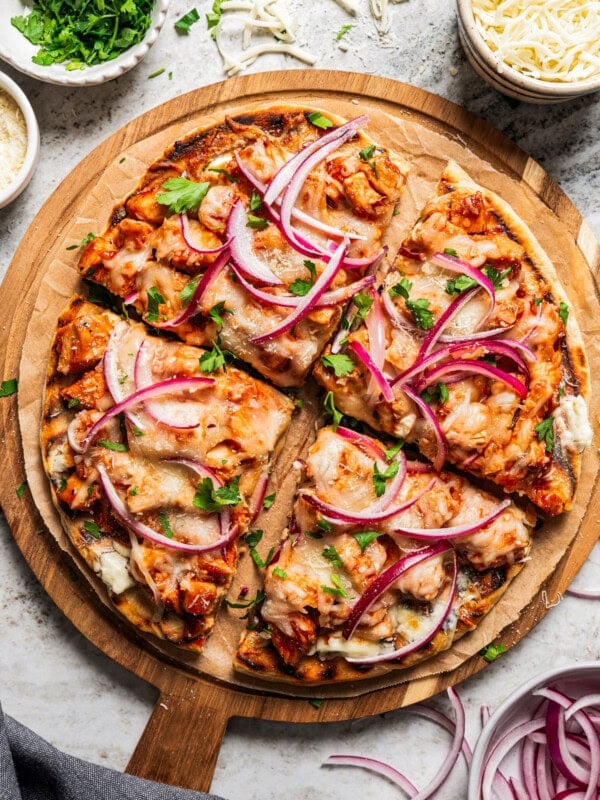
x=213, y=17
x=492, y=651
x=84, y=33
x=184, y=24
x=343, y=31
x=156, y=73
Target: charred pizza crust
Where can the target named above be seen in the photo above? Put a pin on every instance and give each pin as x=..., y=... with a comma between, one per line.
x=532, y=445
x=232, y=426
x=147, y=247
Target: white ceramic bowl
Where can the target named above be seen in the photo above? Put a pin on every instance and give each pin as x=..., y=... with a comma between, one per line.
x=23, y=176
x=16, y=50
x=507, y=80
x=575, y=680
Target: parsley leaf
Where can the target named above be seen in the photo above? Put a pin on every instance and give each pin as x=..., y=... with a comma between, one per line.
x=93, y=528
x=256, y=223
x=343, y=31
x=318, y=120
x=329, y=406
x=324, y=525
x=438, y=394
x=420, y=311
x=363, y=303
x=21, y=489
x=492, y=651
x=165, y=525
x=300, y=287
x=366, y=154
x=393, y=451
x=364, y=538
x=8, y=387
x=212, y=500
x=156, y=73
x=213, y=17
x=184, y=23
x=340, y=363
x=119, y=447
x=155, y=299
x=254, y=601
x=188, y=290
x=182, y=195
x=463, y=282
x=255, y=201
x=563, y=313
x=86, y=240
x=381, y=478
x=253, y=537
x=214, y=359
x=315, y=703
x=545, y=433
x=401, y=289
x=231, y=178
x=311, y=267
x=217, y=312
x=279, y=573
x=337, y=590
x=269, y=500
x=332, y=555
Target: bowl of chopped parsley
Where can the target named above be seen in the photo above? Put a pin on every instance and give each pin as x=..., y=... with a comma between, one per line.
x=78, y=42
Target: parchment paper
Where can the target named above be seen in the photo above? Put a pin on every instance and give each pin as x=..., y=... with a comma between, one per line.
x=428, y=150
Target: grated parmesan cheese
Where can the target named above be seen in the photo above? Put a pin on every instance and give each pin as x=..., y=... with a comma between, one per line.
x=270, y=17
x=551, y=40
x=13, y=139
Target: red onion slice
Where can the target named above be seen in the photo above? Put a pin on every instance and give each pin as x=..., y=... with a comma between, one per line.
x=289, y=170
x=373, y=765
x=383, y=582
x=188, y=238
x=427, y=412
x=394, y=316
x=258, y=496
x=454, y=531
x=143, y=530
x=365, y=443
x=378, y=376
x=475, y=367
x=205, y=281
x=169, y=386
x=412, y=647
x=444, y=722
x=455, y=306
x=455, y=264
x=309, y=300
x=586, y=594
x=206, y=472
x=110, y=365
x=242, y=248
x=503, y=746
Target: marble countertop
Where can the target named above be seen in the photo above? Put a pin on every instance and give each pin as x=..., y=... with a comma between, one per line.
x=57, y=683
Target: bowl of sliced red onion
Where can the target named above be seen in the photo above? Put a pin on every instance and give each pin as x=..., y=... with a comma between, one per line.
x=543, y=741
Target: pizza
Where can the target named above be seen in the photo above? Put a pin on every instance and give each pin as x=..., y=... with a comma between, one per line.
x=379, y=566
x=273, y=218
x=470, y=351
x=153, y=466
x=256, y=263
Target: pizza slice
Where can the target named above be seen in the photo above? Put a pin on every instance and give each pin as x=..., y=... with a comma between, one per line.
x=471, y=350
x=385, y=564
x=156, y=468
x=252, y=235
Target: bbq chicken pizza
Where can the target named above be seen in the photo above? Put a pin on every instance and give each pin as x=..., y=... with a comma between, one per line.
x=253, y=258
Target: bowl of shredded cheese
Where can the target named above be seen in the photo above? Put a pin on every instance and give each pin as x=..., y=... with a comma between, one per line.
x=19, y=140
x=537, y=51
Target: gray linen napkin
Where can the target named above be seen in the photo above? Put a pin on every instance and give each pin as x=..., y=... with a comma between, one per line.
x=31, y=769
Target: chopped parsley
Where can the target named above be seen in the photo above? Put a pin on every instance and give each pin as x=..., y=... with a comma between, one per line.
x=214, y=359
x=545, y=433
x=184, y=23
x=165, y=525
x=393, y=451
x=213, y=500
x=436, y=394
x=119, y=447
x=449, y=251
x=418, y=308
x=337, y=590
x=84, y=33
x=343, y=31
x=93, y=528
x=315, y=703
x=8, y=387
x=217, y=312
x=182, y=194
x=332, y=555
x=563, y=313
x=73, y=402
x=155, y=300
x=401, y=289
x=492, y=651
x=318, y=120
x=20, y=490
x=253, y=538
x=254, y=601
x=86, y=240
x=156, y=74
x=381, y=478
x=256, y=223
x=231, y=178
x=464, y=282
x=188, y=290
x=537, y=301
x=134, y=491
x=340, y=363
x=300, y=287
x=363, y=303
x=255, y=201
x=364, y=538
x=324, y=525
x=269, y=500
x=279, y=573
x=366, y=154
x=213, y=17
x=329, y=406
x=62, y=484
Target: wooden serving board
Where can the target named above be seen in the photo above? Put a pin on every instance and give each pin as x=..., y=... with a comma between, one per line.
x=193, y=709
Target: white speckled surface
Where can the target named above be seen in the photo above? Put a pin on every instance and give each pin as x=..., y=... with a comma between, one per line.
x=55, y=681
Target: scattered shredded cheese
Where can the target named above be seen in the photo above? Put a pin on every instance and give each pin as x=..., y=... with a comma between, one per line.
x=13, y=139
x=379, y=11
x=551, y=40
x=265, y=18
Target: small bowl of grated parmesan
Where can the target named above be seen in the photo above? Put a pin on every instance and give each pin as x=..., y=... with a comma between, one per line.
x=537, y=51
x=19, y=140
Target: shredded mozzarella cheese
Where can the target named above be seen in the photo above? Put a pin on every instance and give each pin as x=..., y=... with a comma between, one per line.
x=551, y=40
x=379, y=11
x=271, y=17
x=13, y=139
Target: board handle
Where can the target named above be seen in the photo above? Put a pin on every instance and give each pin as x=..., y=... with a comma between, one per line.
x=181, y=741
